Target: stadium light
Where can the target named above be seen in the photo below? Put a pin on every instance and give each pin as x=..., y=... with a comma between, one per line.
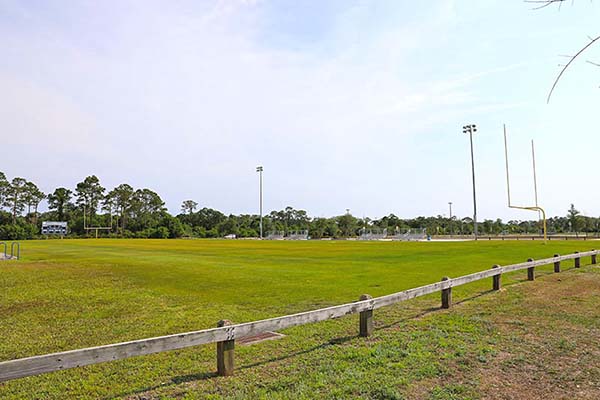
x=470, y=129
x=259, y=169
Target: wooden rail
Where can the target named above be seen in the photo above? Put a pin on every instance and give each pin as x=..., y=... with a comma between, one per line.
x=519, y=237
x=226, y=333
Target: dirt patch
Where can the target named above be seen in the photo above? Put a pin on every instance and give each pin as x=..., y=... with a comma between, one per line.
x=259, y=338
x=550, y=341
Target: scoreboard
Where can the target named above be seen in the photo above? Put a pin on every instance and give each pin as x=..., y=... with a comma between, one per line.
x=54, y=228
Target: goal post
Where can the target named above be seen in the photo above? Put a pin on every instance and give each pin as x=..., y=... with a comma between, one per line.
x=96, y=228
x=536, y=207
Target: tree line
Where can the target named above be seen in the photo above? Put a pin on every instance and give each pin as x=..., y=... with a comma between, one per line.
x=127, y=212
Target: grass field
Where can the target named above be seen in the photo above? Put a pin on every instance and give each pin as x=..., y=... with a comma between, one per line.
x=76, y=293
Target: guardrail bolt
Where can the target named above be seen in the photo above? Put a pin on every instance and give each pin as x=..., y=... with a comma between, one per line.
x=365, y=318
x=557, y=264
x=225, y=353
x=446, y=295
x=594, y=257
x=530, y=271
x=496, y=279
x=577, y=261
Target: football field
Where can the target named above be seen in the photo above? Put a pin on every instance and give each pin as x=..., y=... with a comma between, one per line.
x=69, y=294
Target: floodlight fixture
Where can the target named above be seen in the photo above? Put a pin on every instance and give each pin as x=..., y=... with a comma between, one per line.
x=472, y=128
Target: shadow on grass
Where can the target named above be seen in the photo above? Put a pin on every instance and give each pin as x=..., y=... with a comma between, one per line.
x=538, y=274
x=331, y=342
x=431, y=310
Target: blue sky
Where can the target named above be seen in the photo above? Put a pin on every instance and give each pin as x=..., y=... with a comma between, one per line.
x=347, y=104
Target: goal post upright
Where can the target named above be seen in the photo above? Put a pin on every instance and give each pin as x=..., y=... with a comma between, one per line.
x=534, y=175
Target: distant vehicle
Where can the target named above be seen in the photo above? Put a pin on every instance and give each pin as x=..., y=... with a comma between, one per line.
x=230, y=236
x=54, y=228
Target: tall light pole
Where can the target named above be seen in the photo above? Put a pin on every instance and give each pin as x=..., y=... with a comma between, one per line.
x=259, y=169
x=470, y=129
x=450, y=206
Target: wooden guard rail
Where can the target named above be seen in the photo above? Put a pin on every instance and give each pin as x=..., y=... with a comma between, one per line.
x=226, y=333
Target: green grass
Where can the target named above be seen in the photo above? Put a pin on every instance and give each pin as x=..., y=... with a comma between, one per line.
x=76, y=293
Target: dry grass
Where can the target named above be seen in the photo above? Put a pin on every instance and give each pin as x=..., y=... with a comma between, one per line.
x=551, y=340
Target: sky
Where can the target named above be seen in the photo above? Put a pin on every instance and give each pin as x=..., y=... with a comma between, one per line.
x=347, y=104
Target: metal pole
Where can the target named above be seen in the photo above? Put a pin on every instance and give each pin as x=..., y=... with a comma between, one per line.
x=259, y=169
x=451, y=228
x=261, y=204
x=474, y=196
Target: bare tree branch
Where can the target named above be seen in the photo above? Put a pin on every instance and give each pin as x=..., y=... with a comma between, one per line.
x=587, y=46
x=544, y=3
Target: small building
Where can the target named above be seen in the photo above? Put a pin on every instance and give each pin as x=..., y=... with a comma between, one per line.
x=54, y=228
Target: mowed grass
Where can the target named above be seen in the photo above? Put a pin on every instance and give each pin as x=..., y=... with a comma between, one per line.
x=70, y=294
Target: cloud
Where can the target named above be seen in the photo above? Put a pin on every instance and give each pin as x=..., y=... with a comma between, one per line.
x=202, y=93
x=32, y=115
x=336, y=101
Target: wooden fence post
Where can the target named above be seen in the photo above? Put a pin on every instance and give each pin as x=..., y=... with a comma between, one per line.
x=365, y=319
x=594, y=258
x=530, y=271
x=496, y=280
x=557, y=264
x=577, y=261
x=225, y=353
x=446, y=295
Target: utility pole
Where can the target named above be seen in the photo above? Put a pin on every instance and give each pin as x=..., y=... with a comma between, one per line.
x=470, y=129
x=259, y=169
x=450, y=206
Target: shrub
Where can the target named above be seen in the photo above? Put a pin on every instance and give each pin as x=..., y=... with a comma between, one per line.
x=160, y=233
x=12, y=232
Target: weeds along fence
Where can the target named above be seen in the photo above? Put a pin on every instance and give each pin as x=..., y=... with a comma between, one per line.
x=226, y=333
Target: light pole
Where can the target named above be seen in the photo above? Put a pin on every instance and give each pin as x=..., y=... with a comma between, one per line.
x=450, y=206
x=259, y=169
x=470, y=129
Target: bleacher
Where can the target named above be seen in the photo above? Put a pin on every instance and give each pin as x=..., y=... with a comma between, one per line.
x=372, y=234
x=297, y=235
